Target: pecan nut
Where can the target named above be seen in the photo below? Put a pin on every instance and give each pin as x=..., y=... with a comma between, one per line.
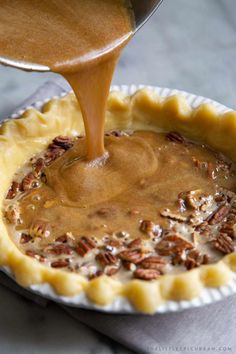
x=146, y=274
x=136, y=243
x=25, y=238
x=53, y=154
x=64, y=142
x=153, y=262
x=106, y=258
x=223, y=243
x=149, y=227
x=173, y=216
x=58, y=250
x=12, y=214
x=195, y=259
x=171, y=245
x=38, y=167
x=35, y=255
x=60, y=263
x=111, y=270
x=85, y=245
x=40, y=228
x=13, y=190
x=175, y=137
x=29, y=182
x=132, y=256
x=218, y=215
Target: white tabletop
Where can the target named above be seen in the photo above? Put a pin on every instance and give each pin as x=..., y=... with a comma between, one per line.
x=189, y=45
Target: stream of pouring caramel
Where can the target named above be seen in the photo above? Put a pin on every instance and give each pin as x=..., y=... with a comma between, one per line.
x=79, y=39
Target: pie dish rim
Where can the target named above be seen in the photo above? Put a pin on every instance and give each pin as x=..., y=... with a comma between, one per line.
x=142, y=289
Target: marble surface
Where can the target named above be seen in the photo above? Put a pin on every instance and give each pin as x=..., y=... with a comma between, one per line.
x=189, y=45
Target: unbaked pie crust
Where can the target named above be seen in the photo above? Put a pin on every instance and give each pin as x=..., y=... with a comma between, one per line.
x=145, y=110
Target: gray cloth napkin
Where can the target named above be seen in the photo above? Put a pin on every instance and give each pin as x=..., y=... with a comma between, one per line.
x=208, y=329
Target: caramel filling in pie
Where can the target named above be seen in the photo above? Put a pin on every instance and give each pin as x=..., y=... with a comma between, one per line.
x=156, y=203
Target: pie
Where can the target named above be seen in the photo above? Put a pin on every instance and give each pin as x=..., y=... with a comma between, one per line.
x=156, y=223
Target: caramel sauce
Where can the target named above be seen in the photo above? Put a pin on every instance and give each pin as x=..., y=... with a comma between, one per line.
x=131, y=187
x=79, y=39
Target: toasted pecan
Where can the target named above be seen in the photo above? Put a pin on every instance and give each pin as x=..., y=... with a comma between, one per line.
x=195, y=259
x=219, y=215
x=58, y=249
x=133, y=256
x=38, y=166
x=146, y=274
x=60, y=263
x=175, y=137
x=64, y=142
x=35, y=255
x=25, y=238
x=149, y=227
x=40, y=228
x=153, y=262
x=111, y=270
x=173, y=216
x=13, y=190
x=52, y=154
x=173, y=244
x=107, y=258
x=136, y=243
x=85, y=245
x=12, y=214
x=29, y=181
x=223, y=243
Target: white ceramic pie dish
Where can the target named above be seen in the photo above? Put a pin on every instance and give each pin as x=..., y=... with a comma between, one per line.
x=121, y=305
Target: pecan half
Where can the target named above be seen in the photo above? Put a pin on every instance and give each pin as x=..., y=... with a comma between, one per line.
x=218, y=215
x=58, y=250
x=12, y=214
x=40, y=228
x=25, y=238
x=173, y=216
x=85, y=245
x=211, y=172
x=178, y=258
x=133, y=256
x=29, y=182
x=60, y=263
x=52, y=154
x=106, y=258
x=63, y=238
x=13, y=190
x=136, y=243
x=194, y=199
x=64, y=142
x=35, y=255
x=114, y=243
x=148, y=226
x=38, y=167
x=195, y=259
x=223, y=243
x=146, y=274
x=171, y=245
x=129, y=266
x=229, y=228
x=175, y=137
x=111, y=270
x=153, y=262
